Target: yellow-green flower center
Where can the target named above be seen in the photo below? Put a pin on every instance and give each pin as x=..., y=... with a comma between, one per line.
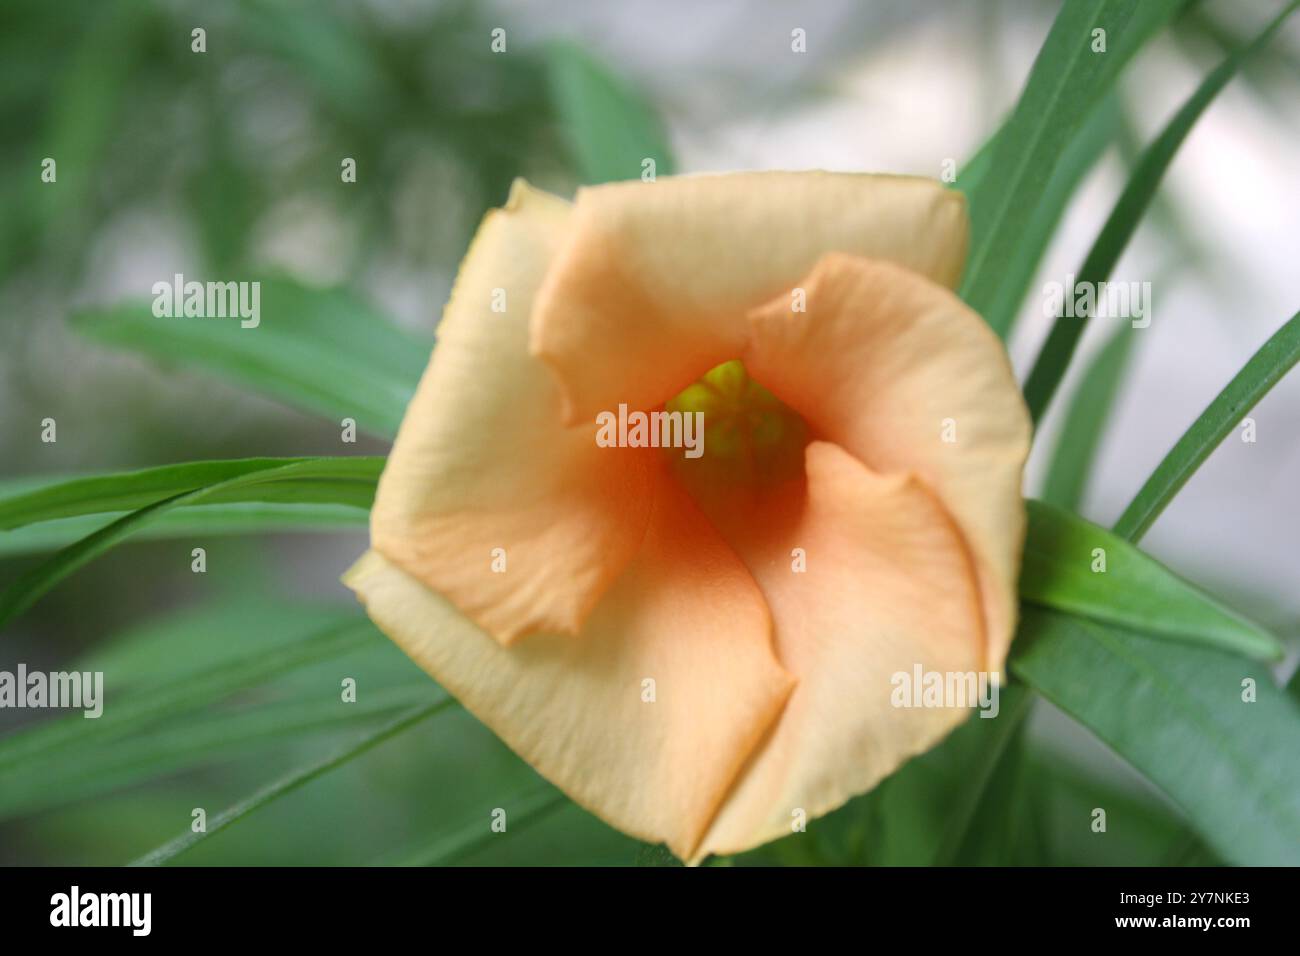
x=751, y=437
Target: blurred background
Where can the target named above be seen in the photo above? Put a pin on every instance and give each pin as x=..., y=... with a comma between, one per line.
x=226, y=164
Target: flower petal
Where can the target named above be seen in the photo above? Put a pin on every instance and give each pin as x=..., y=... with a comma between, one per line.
x=888, y=365
x=483, y=462
x=651, y=286
x=685, y=614
x=887, y=587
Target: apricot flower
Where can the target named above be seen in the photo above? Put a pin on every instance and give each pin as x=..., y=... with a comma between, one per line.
x=699, y=650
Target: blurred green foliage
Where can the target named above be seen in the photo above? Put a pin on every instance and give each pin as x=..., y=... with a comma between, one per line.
x=210, y=148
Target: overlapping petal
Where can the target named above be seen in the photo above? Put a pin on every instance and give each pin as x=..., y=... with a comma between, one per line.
x=886, y=586
x=653, y=759
x=484, y=475
x=652, y=283
x=904, y=376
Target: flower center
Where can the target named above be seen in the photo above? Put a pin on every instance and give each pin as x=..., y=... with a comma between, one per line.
x=752, y=440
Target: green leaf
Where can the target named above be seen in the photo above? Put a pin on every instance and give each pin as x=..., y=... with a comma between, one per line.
x=970, y=179
x=978, y=770
x=1064, y=791
x=1135, y=591
x=1015, y=275
x=82, y=121
x=1065, y=83
x=1064, y=338
x=205, y=520
x=1177, y=715
x=171, y=700
x=1266, y=367
x=340, y=61
x=193, y=741
x=239, y=618
x=1074, y=673
x=234, y=677
x=319, y=350
x=474, y=835
x=346, y=480
x=333, y=478
x=1085, y=421
x=610, y=130
x=293, y=781
x=1004, y=824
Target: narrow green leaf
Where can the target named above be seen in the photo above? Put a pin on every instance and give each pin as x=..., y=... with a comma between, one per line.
x=1178, y=715
x=1266, y=367
x=979, y=771
x=204, y=520
x=1098, y=131
x=1003, y=824
x=1135, y=591
x=169, y=701
x=474, y=835
x=203, y=740
x=1065, y=790
x=1085, y=421
x=1092, y=404
x=208, y=685
x=976, y=288
x=340, y=62
x=970, y=177
x=610, y=130
x=82, y=117
x=1076, y=672
x=127, y=491
x=1068, y=79
x=318, y=350
x=291, y=782
x=240, y=617
x=339, y=479
x=1066, y=332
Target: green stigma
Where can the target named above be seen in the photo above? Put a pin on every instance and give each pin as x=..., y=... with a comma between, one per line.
x=751, y=437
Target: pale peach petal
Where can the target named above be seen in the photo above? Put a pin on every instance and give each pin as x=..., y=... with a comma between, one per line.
x=482, y=461
x=650, y=287
x=685, y=614
x=881, y=363
x=887, y=586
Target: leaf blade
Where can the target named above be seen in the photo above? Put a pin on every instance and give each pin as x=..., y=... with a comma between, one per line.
x=1055, y=356
x=1177, y=716
x=1085, y=419
x=610, y=129
x=292, y=781
x=1065, y=83
x=1016, y=274
x=1135, y=591
x=354, y=484
x=233, y=518
x=173, y=700
x=128, y=491
x=321, y=351
x=1265, y=368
